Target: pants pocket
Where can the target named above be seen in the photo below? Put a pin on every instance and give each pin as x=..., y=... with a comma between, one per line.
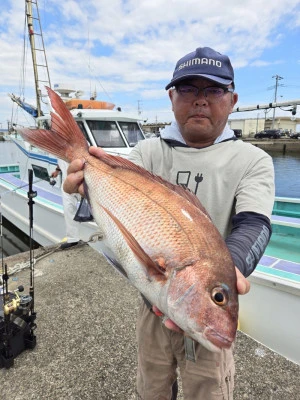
x=209, y=379
x=227, y=384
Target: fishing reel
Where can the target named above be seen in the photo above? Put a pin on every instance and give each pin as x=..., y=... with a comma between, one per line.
x=17, y=304
x=17, y=324
x=52, y=181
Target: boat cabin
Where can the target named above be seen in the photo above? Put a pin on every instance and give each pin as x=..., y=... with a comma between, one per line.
x=116, y=132
x=112, y=130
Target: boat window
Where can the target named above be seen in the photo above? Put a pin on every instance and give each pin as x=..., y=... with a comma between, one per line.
x=83, y=130
x=106, y=133
x=132, y=132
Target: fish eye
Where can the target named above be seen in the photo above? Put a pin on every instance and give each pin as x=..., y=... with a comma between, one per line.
x=219, y=296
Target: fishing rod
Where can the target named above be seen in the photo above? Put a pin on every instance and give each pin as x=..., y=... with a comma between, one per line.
x=1, y=236
x=17, y=320
x=31, y=194
x=6, y=356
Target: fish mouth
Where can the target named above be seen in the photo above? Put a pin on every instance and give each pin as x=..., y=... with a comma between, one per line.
x=205, y=342
x=216, y=339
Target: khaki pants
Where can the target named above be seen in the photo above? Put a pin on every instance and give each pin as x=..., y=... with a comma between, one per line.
x=161, y=351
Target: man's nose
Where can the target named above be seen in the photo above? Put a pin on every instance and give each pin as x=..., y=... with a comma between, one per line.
x=200, y=99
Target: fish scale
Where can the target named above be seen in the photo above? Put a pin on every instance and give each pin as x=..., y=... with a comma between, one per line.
x=142, y=209
x=158, y=233
x=163, y=232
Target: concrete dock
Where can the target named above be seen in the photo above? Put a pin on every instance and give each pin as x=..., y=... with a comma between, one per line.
x=283, y=145
x=86, y=346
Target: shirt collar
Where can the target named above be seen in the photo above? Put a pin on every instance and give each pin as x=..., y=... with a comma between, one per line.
x=172, y=132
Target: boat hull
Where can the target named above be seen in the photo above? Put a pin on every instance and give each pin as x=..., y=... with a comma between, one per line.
x=269, y=313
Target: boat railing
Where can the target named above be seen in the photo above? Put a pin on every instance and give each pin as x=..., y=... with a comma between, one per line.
x=286, y=207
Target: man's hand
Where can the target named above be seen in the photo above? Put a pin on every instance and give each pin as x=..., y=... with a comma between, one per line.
x=74, y=181
x=243, y=287
x=242, y=284
x=166, y=321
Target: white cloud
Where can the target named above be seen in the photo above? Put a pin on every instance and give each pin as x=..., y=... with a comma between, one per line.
x=262, y=63
x=131, y=46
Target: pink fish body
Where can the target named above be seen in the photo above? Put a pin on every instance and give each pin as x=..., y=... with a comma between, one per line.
x=158, y=232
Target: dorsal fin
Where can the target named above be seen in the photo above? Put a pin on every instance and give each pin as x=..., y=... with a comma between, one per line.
x=119, y=162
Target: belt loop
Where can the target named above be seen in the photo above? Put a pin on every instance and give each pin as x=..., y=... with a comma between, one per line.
x=189, y=345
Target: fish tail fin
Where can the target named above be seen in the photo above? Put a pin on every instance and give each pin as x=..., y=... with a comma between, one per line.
x=64, y=139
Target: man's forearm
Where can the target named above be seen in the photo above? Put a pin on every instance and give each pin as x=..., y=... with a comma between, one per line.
x=248, y=240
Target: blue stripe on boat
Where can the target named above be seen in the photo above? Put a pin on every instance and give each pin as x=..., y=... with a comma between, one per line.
x=22, y=185
x=288, y=266
x=279, y=274
x=280, y=268
x=289, y=221
x=36, y=156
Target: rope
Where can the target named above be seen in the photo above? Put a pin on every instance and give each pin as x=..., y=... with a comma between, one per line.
x=19, y=267
x=26, y=264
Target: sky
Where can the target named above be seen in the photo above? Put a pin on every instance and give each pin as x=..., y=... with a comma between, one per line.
x=126, y=50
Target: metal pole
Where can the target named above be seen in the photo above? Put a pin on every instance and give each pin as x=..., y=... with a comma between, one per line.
x=275, y=97
x=31, y=194
x=32, y=46
x=289, y=103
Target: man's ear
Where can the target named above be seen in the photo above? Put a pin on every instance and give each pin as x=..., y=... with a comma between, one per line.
x=171, y=95
x=234, y=99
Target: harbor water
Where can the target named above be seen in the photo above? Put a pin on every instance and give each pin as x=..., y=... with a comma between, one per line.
x=287, y=184
x=287, y=174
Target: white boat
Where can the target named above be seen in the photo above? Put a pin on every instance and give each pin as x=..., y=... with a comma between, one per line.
x=101, y=124
x=114, y=131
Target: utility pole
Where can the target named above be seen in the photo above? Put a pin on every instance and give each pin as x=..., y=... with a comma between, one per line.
x=266, y=112
x=278, y=78
x=139, y=108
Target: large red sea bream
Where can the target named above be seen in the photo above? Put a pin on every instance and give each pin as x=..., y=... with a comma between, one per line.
x=159, y=233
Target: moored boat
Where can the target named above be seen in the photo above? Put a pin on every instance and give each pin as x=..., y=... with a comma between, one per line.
x=115, y=131
x=101, y=124
x=270, y=311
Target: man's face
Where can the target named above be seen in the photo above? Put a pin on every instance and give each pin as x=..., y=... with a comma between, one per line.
x=201, y=121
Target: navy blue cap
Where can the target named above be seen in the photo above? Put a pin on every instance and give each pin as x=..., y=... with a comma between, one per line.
x=206, y=63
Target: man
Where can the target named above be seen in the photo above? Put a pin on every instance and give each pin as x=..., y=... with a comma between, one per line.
x=235, y=183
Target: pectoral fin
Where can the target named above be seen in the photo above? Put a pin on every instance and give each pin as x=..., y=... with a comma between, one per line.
x=152, y=269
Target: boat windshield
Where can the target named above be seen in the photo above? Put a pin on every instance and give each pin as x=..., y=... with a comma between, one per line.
x=108, y=133
x=132, y=132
